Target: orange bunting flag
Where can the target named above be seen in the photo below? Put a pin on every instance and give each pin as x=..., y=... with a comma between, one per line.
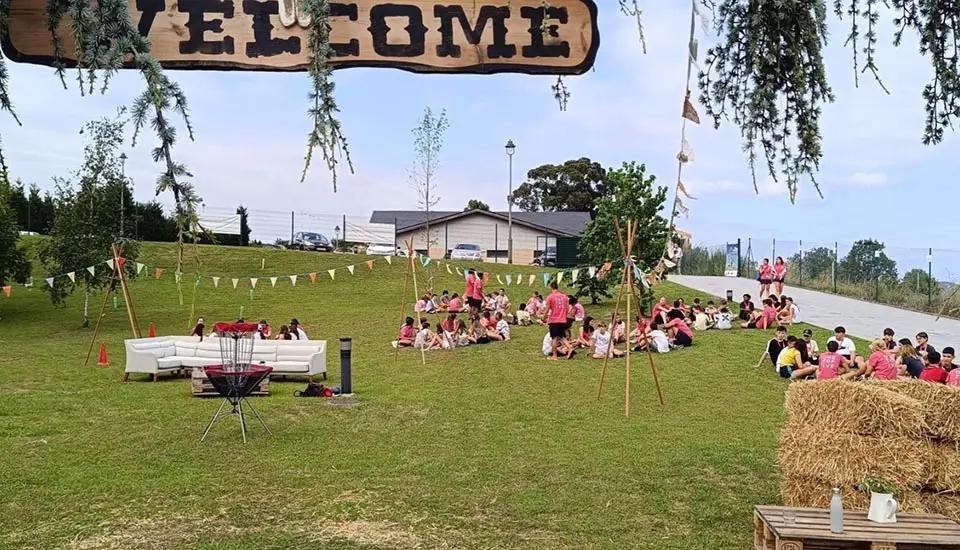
x=486, y=277
x=120, y=261
x=370, y=264
x=689, y=111
x=158, y=272
x=683, y=190
x=7, y=290
x=313, y=277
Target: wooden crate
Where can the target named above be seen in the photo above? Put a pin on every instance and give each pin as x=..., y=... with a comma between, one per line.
x=201, y=387
x=810, y=530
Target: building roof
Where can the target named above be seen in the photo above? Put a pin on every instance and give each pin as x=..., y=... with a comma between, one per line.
x=564, y=224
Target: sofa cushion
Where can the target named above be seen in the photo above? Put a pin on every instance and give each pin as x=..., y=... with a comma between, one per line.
x=281, y=367
x=186, y=349
x=209, y=354
x=197, y=361
x=295, y=355
x=168, y=362
x=263, y=356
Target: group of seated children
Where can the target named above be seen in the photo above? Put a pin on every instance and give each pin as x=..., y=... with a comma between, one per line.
x=697, y=317
x=889, y=358
x=495, y=302
x=601, y=341
x=776, y=311
x=481, y=328
x=263, y=332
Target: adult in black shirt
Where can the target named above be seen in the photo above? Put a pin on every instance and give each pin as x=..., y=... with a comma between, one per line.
x=746, y=308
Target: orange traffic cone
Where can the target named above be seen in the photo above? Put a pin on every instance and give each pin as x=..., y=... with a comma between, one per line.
x=151, y=333
x=103, y=355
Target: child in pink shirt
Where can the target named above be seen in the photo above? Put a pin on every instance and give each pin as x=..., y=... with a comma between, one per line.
x=455, y=304
x=407, y=333
x=879, y=364
x=953, y=377
x=830, y=363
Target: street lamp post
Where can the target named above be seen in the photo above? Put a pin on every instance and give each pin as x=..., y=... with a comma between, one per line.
x=123, y=188
x=510, y=148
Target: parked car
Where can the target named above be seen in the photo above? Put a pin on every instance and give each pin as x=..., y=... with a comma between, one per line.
x=546, y=258
x=469, y=252
x=374, y=249
x=315, y=242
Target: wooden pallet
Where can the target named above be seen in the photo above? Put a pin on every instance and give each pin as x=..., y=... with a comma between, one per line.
x=201, y=387
x=810, y=530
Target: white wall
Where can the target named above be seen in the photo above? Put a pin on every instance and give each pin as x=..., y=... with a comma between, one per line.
x=488, y=233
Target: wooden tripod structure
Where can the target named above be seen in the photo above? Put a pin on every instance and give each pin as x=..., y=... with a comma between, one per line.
x=411, y=273
x=626, y=282
x=116, y=276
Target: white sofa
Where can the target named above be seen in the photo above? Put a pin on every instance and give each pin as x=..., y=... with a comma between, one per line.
x=177, y=353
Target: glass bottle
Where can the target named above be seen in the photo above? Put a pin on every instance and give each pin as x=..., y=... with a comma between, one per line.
x=836, y=512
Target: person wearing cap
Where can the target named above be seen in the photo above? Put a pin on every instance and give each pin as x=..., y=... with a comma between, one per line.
x=813, y=350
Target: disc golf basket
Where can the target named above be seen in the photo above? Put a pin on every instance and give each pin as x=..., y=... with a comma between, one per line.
x=235, y=378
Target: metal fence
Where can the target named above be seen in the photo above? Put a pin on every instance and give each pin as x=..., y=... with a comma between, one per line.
x=919, y=278
x=270, y=226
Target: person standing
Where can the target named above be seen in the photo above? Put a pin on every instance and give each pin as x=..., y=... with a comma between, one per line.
x=474, y=302
x=557, y=306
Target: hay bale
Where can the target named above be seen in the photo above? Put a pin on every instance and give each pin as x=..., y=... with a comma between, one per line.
x=806, y=492
x=945, y=467
x=946, y=504
x=840, y=458
x=940, y=405
x=855, y=408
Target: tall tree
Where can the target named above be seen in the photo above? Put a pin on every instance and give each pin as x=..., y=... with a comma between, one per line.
x=815, y=263
x=574, y=186
x=427, y=143
x=244, y=225
x=632, y=196
x=474, y=204
x=866, y=262
x=14, y=266
x=920, y=281
x=150, y=223
x=88, y=218
x=17, y=201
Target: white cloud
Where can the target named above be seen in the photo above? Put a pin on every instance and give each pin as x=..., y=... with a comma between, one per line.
x=867, y=179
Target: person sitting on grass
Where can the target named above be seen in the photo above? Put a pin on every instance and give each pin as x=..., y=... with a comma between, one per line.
x=847, y=348
x=522, y=316
x=284, y=333
x=478, y=330
x=831, y=365
x=456, y=304
x=775, y=346
x=603, y=343
x=503, y=303
x=406, y=336
x=655, y=338
x=790, y=363
x=724, y=319
x=503, y=328
x=934, y=371
x=701, y=321
x=578, y=312
x=296, y=330
x=450, y=325
x=585, y=340
x=953, y=377
x=889, y=341
x=552, y=346
x=444, y=300
x=763, y=319
x=620, y=329
x=639, y=329
x=746, y=308
x=813, y=349
x=711, y=311
x=678, y=331
x=661, y=309
x=947, y=355
x=923, y=345
x=426, y=339
x=909, y=363
x=490, y=326
x=785, y=313
x=878, y=365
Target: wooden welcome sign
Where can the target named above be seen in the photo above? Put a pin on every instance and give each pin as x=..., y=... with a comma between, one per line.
x=427, y=36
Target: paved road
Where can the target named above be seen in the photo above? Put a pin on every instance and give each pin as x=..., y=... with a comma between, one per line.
x=862, y=319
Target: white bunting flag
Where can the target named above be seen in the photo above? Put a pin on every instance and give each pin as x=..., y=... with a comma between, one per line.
x=680, y=209
x=253, y=283
x=273, y=281
x=686, y=152
x=499, y=280
x=519, y=276
x=72, y=276
x=49, y=281
x=350, y=269
x=216, y=282
x=235, y=282
x=668, y=264
x=109, y=263
x=333, y=272
x=575, y=274
x=140, y=267
x=532, y=278
x=293, y=280
x=448, y=269
x=458, y=271
x=559, y=277
x=704, y=23
x=592, y=272
x=509, y=280
x=92, y=270
x=388, y=259
x=694, y=51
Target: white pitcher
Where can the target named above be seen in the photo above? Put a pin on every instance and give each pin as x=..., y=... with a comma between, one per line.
x=883, y=508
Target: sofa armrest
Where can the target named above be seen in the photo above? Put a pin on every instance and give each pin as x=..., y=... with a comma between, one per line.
x=141, y=361
x=318, y=363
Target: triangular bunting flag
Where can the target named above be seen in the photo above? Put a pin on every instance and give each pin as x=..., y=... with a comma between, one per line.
x=273, y=281
x=519, y=276
x=448, y=270
x=704, y=23
x=7, y=290
x=509, y=280
x=682, y=189
x=532, y=279
x=694, y=51
x=235, y=283
x=253, y=283
x=668, y=264
x=465, y=275
x=546, y=279
x=559, y=277
x=350, y=269
x=486, y=277
x=109, y=263
x=689, y=111
x=369, y=264
x=458, y=271
x=389, y=260
x=575, y=274
x=92, y=270
x=293, y=280
x=313, y=277
x=426, y=261
x=140, y=267
x=499, y=280
x=49, y=281
x=644, y=281
x=332, y=273
x=686, y=152
x=679, y=208
x=216, y=282
x=592, y=271
x=72, y=276
x=637, y=274
x=121, y=261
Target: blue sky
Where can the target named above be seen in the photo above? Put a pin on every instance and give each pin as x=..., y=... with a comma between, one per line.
x=877, y=177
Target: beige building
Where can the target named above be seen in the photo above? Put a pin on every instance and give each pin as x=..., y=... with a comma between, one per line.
x=532, y=231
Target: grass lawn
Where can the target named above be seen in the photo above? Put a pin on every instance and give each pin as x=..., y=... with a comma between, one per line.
x=493, y=447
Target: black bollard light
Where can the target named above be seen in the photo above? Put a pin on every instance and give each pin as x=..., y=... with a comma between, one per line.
x=730, y=296
x=346, y=373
